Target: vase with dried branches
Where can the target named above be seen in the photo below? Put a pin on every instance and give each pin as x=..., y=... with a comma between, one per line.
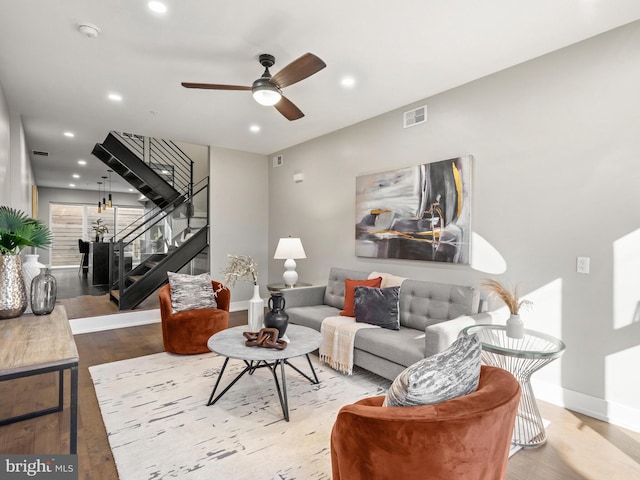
x=513, y=301
x=245, y=268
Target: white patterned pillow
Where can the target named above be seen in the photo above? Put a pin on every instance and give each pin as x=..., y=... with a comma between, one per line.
x=441, y=377
x=190, y=292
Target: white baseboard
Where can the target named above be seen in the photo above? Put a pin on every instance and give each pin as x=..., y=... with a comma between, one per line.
x=604, y=410
x=128, y=319
x=116, y=320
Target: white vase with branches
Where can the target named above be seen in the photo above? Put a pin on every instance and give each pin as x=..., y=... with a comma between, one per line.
x=511, y=298
x=243, y=267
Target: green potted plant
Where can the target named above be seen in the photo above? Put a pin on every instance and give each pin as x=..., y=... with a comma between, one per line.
x=17, y=231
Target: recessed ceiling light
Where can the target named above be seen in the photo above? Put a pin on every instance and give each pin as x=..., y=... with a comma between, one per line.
x=115, y=97
x=69, y=134
x=131, y=189
x=75, y=175
x=348, y=82
x=82, y=162
x=254, y=128
x=72, y=184
x=157, y=7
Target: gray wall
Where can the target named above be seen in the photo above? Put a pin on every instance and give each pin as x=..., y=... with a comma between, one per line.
x=16, y=174
x=5, y=148
x=239, y=214
x=556, y=176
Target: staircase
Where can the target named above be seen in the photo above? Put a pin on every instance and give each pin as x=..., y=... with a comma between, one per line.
x=172, y=234
x=156, y=168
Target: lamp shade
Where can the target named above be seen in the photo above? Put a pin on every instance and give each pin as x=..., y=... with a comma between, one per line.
x=289, y=248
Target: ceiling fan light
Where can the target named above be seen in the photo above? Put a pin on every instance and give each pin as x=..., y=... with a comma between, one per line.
x=265, y=93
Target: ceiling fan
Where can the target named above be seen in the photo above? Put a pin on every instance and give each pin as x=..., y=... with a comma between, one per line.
x=267, y=90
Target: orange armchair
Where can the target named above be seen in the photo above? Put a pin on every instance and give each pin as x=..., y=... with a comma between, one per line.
x=187, y=332
x=467, y=438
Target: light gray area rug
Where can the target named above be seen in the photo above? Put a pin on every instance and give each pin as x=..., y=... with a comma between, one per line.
x=159, y=427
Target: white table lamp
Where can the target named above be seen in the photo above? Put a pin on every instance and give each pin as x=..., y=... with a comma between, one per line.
x=289, y=249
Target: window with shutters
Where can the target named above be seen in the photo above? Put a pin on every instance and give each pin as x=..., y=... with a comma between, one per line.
x=71, y=222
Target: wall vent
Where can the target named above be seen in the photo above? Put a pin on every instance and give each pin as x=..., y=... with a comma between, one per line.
x=278, y=161
x=415, y=117
x=40, y=152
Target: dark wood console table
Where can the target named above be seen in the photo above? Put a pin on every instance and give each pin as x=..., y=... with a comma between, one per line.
x=32, y=345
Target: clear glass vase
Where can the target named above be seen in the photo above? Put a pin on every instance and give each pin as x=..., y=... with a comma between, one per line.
x=43, y=292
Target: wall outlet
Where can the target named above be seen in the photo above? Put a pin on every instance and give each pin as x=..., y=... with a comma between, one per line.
x=582, y=264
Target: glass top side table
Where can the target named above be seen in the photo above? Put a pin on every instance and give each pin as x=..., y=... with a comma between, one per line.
x=522, y=357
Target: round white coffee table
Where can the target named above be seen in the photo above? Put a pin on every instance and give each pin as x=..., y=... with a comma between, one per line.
x=230, y=343
x=522, y=357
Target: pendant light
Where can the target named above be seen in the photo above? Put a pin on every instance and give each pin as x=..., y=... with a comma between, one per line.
x=104, y=200
x=99, y=195
x=110, y=201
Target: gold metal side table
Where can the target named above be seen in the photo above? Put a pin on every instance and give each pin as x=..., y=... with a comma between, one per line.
x=522, y=357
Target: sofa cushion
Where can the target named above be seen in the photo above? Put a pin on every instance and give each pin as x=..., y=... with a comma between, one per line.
x=334, y=293
x=427, y=303
x=311, y=317
x=349, y=293
x=377, y=306
x=441, y=377
x=191, y=292
x=404, y=347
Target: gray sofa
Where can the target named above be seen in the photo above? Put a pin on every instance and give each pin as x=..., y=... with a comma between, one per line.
x=431, y=316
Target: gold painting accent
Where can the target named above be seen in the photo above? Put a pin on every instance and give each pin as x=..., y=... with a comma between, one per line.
x=416, y=213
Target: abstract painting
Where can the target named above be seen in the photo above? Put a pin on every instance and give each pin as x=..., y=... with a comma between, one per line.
x=416, y=213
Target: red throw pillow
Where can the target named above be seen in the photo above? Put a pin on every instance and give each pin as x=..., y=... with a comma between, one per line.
x=349, y=293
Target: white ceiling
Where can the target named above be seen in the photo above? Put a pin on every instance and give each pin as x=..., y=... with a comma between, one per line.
x=399, y=52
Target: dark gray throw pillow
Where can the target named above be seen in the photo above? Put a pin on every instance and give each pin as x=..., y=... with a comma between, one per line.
x=377, y=306
x=190, y=292
x=441, y=377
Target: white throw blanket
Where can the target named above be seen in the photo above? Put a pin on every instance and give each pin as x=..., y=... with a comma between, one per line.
x=338, y=338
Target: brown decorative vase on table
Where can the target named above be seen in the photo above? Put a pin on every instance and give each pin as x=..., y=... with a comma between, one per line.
x=276, y=317
x=13, y=295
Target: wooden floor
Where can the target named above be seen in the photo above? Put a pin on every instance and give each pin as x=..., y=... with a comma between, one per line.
x=579, y=447
x=81, y=299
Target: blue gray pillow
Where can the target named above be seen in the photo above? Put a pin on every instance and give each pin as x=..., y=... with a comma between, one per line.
x=441, y=377
x=377, y=306
x=190, y=292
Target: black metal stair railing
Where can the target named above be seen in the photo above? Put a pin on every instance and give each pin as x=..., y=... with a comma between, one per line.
x=157, y=168
x=164, y=239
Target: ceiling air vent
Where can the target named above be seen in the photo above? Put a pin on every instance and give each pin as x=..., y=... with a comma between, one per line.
x=415, y=117
x=40, y=153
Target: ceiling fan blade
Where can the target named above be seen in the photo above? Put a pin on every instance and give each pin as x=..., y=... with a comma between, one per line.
x=299, y=69
x=214, y=86
x=288, y=109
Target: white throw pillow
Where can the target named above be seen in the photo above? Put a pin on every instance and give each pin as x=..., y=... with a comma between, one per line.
x=388, y=280
x=441, y=377
x=191, y=292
